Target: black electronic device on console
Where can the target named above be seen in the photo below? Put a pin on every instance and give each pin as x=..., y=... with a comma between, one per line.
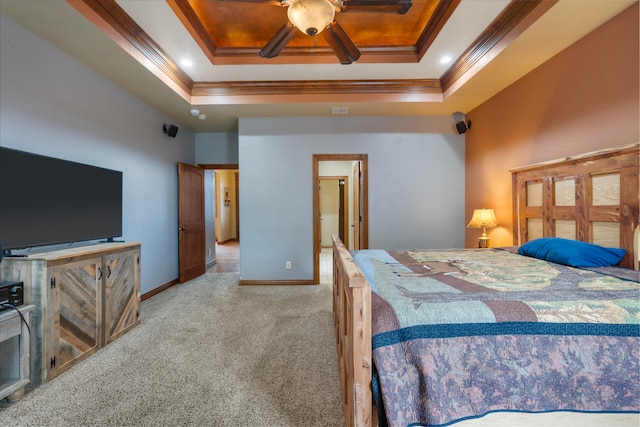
x=11, y=294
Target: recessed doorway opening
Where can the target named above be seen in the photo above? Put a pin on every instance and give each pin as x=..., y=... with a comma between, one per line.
x=222, y=218
x=340, y=206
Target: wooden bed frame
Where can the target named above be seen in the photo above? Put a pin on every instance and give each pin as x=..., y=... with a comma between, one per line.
x=352, y=322
x=592, y=198
x=605, y=211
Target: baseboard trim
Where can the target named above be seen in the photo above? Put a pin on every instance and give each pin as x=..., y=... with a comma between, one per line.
x=159, y=289
x=276, y=282
x=174, y=282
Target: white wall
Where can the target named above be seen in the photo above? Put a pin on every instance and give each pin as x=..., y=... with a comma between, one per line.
x=416, y=186
x=51, y=104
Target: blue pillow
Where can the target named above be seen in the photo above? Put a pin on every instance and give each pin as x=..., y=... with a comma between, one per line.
x=573, y=253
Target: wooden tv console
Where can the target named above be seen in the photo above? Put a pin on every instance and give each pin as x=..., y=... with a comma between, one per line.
x=84, y=297
x=14, y=352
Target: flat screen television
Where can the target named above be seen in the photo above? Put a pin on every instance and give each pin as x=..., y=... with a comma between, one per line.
x=47, y=201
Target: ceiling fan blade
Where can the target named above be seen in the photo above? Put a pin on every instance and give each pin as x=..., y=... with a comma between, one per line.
x=346, y=51
x=279, y=41
x=268, y=2
x=377, y=6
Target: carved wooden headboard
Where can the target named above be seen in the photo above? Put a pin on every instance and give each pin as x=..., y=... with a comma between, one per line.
x=592, y=197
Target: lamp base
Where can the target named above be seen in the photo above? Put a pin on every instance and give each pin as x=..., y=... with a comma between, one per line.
x=483, y=242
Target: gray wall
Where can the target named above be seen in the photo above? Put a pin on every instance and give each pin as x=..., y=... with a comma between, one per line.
x=416, y=186
x=51, y=104
x=217, y=148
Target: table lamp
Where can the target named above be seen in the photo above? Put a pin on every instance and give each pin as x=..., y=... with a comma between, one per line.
x=483, y=218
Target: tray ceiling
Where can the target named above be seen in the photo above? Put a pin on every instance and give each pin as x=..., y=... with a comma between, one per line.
x=178, y=55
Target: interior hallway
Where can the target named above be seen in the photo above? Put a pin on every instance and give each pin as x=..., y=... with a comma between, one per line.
x=227, y=258
x=228, y=261
x=326, y=265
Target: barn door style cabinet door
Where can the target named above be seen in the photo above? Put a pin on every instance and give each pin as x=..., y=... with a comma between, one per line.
x=71, y=315
x=121, y=275
x=85, y=298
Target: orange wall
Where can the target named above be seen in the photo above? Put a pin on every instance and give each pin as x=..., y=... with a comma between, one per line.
x=584, y=99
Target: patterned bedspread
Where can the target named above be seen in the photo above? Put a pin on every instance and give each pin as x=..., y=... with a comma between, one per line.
x=459, y=334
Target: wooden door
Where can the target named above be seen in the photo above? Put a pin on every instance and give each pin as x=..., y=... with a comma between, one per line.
x=191, y=227
x=73, y=321
x=237, y=204
x=121, y=299
x=357, y=218
x=342, y=202
x=216, y=203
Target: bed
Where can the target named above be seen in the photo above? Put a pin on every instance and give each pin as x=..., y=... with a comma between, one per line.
x=498, y=337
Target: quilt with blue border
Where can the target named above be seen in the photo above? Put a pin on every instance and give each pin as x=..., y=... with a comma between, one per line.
x=460, y=334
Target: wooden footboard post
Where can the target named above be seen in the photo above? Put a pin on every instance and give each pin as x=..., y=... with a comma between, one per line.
x=352, y=322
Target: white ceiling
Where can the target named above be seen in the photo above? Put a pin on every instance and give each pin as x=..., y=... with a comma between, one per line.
x=59, y=23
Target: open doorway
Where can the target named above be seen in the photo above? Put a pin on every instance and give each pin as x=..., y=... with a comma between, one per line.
x=340, y=207
x=335, y=197
x=334, y=209
x=222, y=218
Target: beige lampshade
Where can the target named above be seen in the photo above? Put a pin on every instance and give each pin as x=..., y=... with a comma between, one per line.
x=483, y=218
x=311, y=16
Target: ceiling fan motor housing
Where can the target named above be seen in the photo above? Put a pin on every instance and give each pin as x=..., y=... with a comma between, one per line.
x=311, y=16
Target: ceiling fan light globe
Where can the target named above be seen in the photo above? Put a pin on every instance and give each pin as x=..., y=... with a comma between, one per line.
x=311, y=16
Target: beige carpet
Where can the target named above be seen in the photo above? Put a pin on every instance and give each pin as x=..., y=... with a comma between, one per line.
x=206, y=353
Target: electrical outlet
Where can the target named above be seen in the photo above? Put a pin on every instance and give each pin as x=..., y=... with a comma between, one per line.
x=209, y=251
x=288, y=265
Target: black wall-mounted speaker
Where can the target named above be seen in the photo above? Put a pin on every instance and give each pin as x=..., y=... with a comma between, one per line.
x=462, y=127
x=170, y=130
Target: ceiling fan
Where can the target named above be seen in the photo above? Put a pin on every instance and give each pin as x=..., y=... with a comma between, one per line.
x=313, y=16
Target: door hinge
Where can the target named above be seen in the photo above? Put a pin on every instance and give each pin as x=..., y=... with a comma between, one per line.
x=360, y=218
x=53, y=362
x=53, y=282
